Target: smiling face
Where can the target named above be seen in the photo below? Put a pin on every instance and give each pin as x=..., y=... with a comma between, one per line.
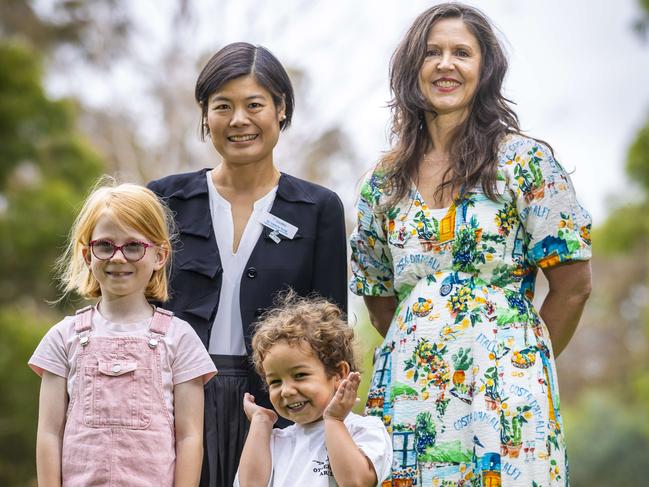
x=116, y=276
x=450, y=73
x=299, y=387
x=243, y=121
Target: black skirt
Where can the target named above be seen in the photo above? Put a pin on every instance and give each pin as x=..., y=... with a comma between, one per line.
x=226, y=425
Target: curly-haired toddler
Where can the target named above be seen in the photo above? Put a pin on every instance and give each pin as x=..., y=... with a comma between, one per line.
x=304, y=351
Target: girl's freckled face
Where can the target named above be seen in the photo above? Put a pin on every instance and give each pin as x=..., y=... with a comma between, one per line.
x=117, y=277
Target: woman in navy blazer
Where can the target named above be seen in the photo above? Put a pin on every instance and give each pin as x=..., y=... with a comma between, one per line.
x=246, y=98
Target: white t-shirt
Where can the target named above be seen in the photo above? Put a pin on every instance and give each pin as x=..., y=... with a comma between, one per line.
x=227, y=330
x=299, y=454
x=182, y=354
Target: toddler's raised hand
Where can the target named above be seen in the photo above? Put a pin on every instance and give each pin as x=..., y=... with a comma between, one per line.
x=344, y=398
x=252, y=409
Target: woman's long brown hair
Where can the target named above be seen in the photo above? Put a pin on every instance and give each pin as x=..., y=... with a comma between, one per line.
x=474, y=143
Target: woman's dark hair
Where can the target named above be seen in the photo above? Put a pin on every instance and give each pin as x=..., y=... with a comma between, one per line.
x=474, y=143
x=243, y=59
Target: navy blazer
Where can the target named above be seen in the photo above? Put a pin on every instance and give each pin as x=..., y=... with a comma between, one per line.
x=315, y=260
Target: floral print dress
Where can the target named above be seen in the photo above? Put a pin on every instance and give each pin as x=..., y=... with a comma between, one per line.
x=465, y=379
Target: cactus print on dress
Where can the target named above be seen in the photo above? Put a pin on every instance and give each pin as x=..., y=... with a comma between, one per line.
x=465, y=380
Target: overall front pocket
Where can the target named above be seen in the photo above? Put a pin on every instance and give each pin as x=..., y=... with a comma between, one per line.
x=117, y=393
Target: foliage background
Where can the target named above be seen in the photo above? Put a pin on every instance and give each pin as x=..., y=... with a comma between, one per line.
x=54, y=147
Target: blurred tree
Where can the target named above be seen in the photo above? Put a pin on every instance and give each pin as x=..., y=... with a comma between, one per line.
x=627, y=227
x=638, y=158
x=626, y=230
x=605, y=445
x=46, y=169
x=21, y=330
x=96, y=30
x=641, y=24
x=608, y=425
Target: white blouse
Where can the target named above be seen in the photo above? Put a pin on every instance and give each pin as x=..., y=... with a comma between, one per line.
x=227, y=330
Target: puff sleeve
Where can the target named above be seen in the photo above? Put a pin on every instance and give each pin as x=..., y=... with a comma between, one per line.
x=557, y=228
x=371, y=260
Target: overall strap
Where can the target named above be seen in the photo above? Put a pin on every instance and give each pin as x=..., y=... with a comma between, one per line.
x=83, y=324
x=83, y=320
x=161, y=321
x=159, y=326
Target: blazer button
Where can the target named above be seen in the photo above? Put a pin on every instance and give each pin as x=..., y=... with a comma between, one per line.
x=259, y=312
x=252, y=272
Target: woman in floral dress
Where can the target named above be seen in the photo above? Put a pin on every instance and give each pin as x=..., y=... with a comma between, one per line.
x=453, y=224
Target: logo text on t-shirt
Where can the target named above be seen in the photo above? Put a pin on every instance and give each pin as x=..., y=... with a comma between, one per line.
x=322, y=468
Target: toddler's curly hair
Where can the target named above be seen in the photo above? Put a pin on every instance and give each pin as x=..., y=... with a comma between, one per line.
x=312, y=320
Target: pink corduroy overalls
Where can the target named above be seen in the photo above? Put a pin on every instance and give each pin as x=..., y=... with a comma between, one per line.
x=118, y=430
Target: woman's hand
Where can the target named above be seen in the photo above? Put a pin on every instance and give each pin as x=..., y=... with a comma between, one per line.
x=344, y=398
x=253, y=410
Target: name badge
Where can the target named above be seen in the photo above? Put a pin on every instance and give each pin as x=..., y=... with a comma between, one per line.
x=278, y=225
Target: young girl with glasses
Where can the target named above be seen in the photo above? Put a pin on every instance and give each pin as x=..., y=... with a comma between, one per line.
x=121, y=399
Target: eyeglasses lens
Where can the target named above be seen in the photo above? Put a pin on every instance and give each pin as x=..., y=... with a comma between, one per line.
x=133, y=251
x=104, y=250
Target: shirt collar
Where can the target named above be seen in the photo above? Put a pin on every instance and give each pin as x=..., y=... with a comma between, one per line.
x=289, y=188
